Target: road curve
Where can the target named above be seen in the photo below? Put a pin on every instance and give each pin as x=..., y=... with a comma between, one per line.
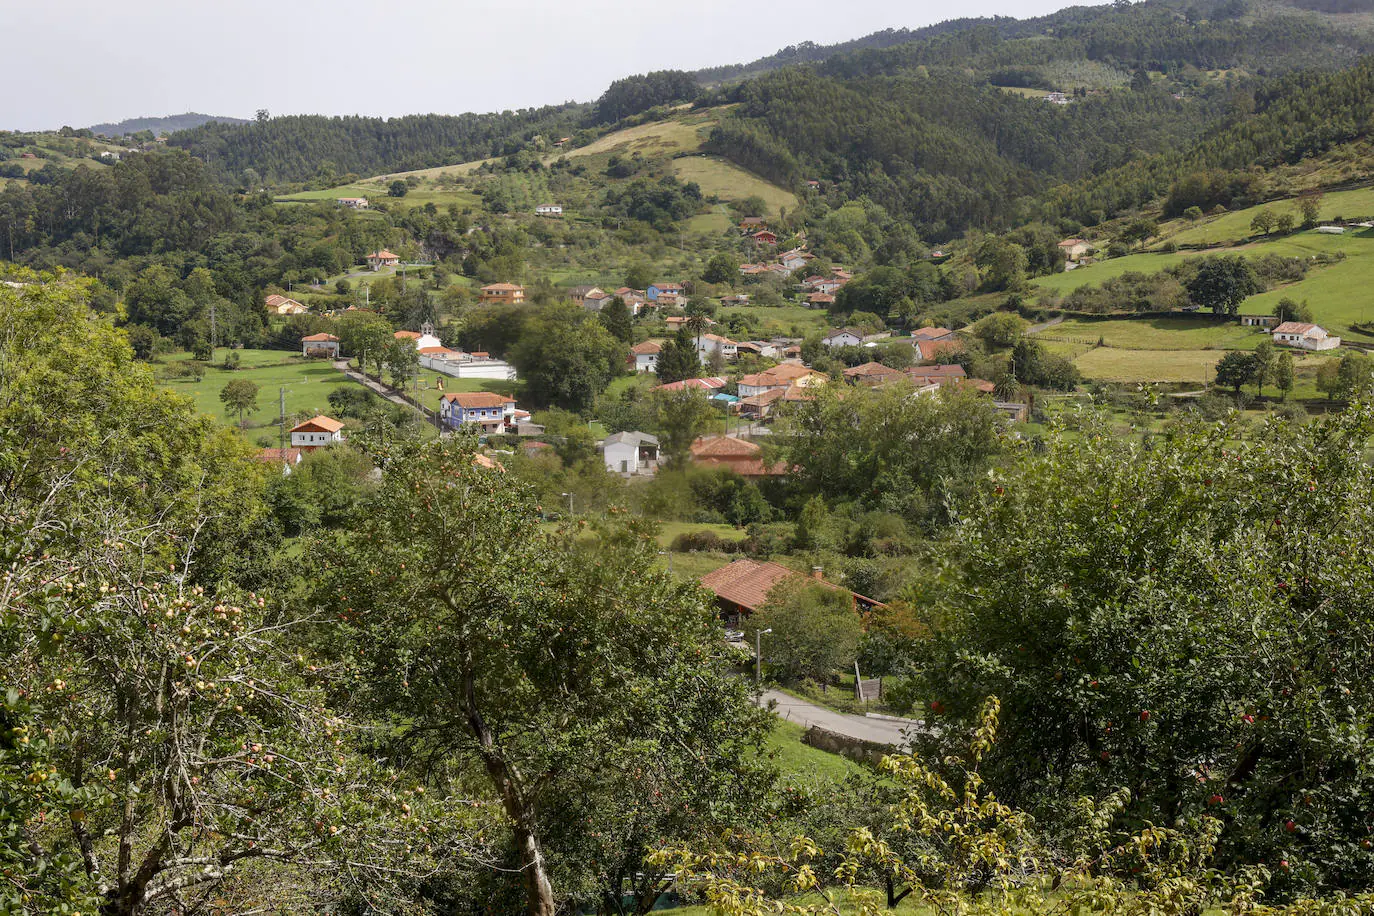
x=807, y=714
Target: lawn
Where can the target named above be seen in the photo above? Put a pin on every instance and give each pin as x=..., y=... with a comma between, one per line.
x=1183, y=333
x=307, y=383
x=728, y=181
x=783, y=320
x=1357, y=204
x=669, y=531
x=1144, y=262
x=795, y=758
x=1112, y=365
x=658, y=138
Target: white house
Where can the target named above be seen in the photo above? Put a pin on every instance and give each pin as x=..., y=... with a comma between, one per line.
x=1305, y=336
x=630, y=453
x=424, y=339
x=320, y=345
x=317, y=432
x=645, y=356
x=352, y=203
x=714, y=343
x=549, y=210
x=1259, y=321
x=844, y=337
x=1075, y=250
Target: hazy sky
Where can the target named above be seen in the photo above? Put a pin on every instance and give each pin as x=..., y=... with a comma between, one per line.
x=81, y=62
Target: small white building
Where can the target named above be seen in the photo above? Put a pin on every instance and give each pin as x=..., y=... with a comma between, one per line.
x=320, y=345
x=424, y=339
x=714, y=343
x=352, y=203
x=549, y=210
x=844, y=337
x=630, y=454
x=1259, y=321
x=645, y=356
x=317, y=432
x=1304, y=336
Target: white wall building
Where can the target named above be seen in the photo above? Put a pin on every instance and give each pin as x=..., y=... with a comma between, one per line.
x=1304, y=336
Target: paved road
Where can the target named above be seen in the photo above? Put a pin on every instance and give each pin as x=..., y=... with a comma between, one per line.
x=808, y=714
x=1037, y=328
x=378, y=387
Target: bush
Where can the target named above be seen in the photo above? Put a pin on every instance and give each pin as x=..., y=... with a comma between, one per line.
x=709, y=541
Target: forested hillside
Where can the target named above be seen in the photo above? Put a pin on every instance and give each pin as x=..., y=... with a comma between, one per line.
x=163, y=125
x=298, y=147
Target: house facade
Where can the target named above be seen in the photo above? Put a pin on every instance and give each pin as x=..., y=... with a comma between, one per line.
x=645, y=356
x=549, y=210
x=503, y=294
x=844, y=337
x=714, y=343
x=482, y=409
x=317, y=432
x=656, y=290
x=1304, y=336
x=282, y=305
x=630, y=453
x=323, y=345
x=424, y=339
x=1260, y=321
x=352, y=203
x=379, y=259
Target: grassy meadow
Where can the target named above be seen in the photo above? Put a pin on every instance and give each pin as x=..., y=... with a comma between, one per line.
x=1229, y=228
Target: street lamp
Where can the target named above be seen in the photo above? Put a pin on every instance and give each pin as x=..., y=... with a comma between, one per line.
x=570, y=503
x=758, y=655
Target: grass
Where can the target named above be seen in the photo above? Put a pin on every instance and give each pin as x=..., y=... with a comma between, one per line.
x=1146, y=262
x=798, y=759
x=658, y=138
x=1183, y=333
x=1232, y=227
x=692, y=566
x=307, y=383
x=908, y=907
x=669, y=531
x=728, y=181
x=1112, y=365
x=782, y=320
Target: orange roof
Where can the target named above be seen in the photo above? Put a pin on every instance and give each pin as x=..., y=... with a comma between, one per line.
x=710, y=383
x=747, y=582
x=931, y=333
x=645, y=348
x=722, y=446
x=435, y=351
x=406, y=335
x=764, y=399
x=1294, y=327
x=931, y=349
x=501, y=288
x=471, y=399
x=274, y=455
x=384, y=254
x=320, y=338
x=872, y=370
x=320, y=423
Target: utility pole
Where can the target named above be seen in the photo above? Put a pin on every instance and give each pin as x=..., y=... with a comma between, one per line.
x=281, y=419
x=213, y=337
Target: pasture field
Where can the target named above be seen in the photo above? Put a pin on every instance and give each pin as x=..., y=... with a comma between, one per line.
x=728, y=181
x=782, y=321
x=1357, y=204
x=1184, y=333
x=308, y=383
x=1108, y=364
x=1145, y=262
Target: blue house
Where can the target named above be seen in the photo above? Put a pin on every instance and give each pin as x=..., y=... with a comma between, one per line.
x=658, y=289
x=490, y=413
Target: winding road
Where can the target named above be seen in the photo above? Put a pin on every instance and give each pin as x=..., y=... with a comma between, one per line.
x=879, y=731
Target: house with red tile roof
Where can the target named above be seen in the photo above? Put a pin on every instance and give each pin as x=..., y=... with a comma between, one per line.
x=645, y=356
x=320, y=345
x=739, y=455
x=872, y=374
x=710, y=383
x=482, y=409
x=317, y=432
x=379, y=259
x=742, y=587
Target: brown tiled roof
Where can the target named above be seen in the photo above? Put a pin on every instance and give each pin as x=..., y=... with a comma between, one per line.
x=327, y=424
x=472, y=399
x=501, y=288
x=275, y=455
x=931, y=333
x=383, y=254
x=710, y=383
x=645, y=348
x=1294, y=327
x=747, y=582
x=407, y=335
x=320, y=338
x=932, y=349
x=872, y=370
x=764, y=399
x=935, y=373
x=723, y=446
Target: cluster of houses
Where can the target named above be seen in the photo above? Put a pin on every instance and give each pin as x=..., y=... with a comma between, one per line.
x=636, y=454
x=657, y=295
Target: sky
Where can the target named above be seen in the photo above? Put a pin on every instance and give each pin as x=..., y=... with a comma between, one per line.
x=83, y=62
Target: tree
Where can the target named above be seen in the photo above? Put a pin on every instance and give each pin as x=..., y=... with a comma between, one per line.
x=1265, y=363
x=402, y=361
x=1283, y=373
x=815, y=629
x=240, y=396
x=639, y=276
x=1000, y=329
x=366, y=336
x=1310, y=207
x=616, y=319
x=678, y=359
x=1222, y=282
x=881, y=447
x=397, y=188
x=1290, y=310
x=1264, y=221
x=1128, y=634
x=722, y=267
x=552, y=665
x=681, y=418
x=566, y=357
x=1283, y=223
x=1235, y=369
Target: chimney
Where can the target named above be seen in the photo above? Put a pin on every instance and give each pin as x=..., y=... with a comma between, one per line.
x=817, y=572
